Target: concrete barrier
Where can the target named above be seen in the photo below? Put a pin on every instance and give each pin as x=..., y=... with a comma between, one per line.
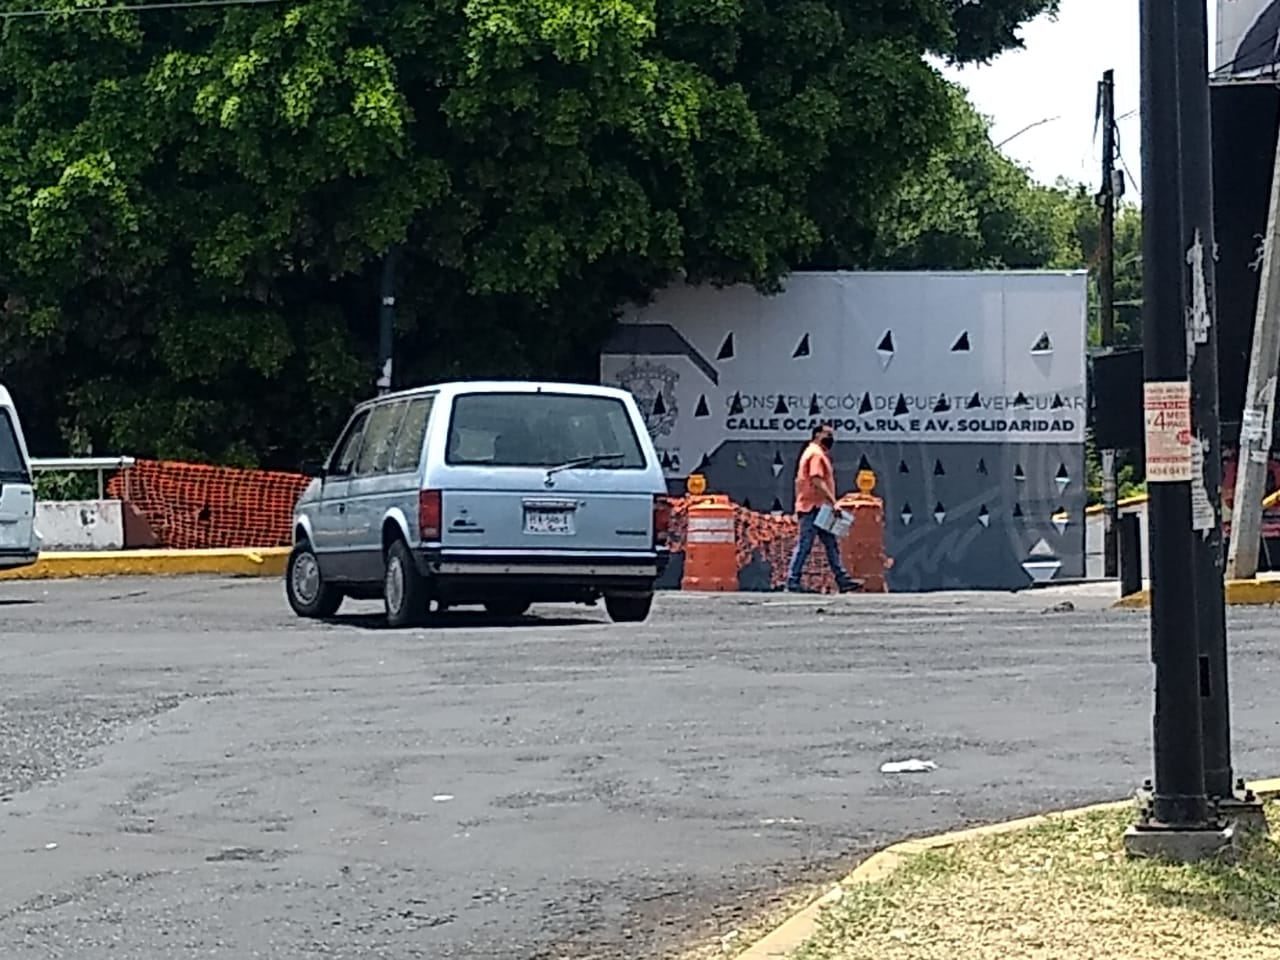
x=78, y=525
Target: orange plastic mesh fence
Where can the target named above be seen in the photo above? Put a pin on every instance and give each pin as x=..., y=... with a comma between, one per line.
x=762, y=538
x=194, y=506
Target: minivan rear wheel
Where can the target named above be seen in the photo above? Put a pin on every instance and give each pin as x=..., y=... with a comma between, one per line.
x=404, y=592
x=630, y=608
x=308, y=594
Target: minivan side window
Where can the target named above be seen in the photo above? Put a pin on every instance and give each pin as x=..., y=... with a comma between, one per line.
x=344, y=455
x=379, y=439
x=12, y=467
x=413, y=432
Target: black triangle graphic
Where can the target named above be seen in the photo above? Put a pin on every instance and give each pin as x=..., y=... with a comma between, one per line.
x=984, y=512
x=802, y=348
x=1043, y=345
x=1058, y=402
x=906, y=510
x=902, y=467
x=942, y=406
x=659, y=407
x=777, y=506
x=886, y=342
x=704, y=464
x=726, y=349
x=1021, y=400
x=864, y=463
x=735, y=405
x=814, y=407
x=1017, y=510
x=777, y=459
x=939, y=508
x=974, y=402
x=675, y=461
x=1018, y=473
x=703, y=410
x=938, y=470
x=1062, y=472
x=900, y=408
x=982, y=467
x=865, y=406
x=746, y=504
x=666, y=461
x=781, y=406
x=962, y=344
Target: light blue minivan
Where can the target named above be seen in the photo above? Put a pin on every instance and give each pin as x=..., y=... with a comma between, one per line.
x=19, y=540
x=500, y=494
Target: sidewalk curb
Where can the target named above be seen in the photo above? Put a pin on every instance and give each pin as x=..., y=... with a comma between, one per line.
x=1240, y=593
x=796, y=930
x=266, y=562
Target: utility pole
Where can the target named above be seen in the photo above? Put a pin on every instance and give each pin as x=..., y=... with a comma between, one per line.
x=1106, y=298
x=1198, y=292
x=387, y=321
x=1179, y=823
x=1259, y=404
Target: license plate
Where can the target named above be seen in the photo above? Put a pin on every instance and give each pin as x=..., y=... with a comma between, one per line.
x=555, y=522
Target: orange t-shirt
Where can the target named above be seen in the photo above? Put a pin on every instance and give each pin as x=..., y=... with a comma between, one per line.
x=814, y=463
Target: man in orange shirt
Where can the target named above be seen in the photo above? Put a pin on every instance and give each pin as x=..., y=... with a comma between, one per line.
x=815, y=488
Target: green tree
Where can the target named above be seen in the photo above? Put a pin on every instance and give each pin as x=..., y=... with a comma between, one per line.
x=193, y=204
x=971, y=207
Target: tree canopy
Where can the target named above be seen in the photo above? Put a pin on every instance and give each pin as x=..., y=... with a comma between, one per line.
x=194, y=203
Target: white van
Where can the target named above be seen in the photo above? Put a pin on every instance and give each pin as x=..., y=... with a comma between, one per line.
x=496, y=494
x=19, y=542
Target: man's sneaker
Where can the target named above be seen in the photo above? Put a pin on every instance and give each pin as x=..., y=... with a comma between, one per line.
x=853, y=586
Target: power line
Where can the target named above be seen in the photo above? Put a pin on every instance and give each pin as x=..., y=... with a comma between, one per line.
x=134, y=8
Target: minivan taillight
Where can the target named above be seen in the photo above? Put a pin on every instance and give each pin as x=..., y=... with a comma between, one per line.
x=661, y=521
x=429, y=512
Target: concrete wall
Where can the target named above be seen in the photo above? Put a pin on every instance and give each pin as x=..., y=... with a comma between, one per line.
x=81, y=524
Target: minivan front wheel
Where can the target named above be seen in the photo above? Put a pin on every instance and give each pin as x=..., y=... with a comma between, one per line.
x=403, y=590
x=629, y=608
x=308, y=594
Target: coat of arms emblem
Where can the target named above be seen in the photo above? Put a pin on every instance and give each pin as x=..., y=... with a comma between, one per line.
x=654, y=387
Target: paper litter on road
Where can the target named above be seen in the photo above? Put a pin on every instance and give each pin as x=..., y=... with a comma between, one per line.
x=908, y=766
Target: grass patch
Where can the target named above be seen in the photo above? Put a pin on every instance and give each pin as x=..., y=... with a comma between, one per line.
x=1063, y=889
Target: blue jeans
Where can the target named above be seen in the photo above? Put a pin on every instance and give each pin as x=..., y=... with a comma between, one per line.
x=805, y=544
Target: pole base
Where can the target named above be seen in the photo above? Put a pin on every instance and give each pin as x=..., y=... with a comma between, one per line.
x=1246, y=814
x=1154, y=842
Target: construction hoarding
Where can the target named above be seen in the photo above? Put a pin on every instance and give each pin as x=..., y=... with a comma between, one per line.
x=964, y=392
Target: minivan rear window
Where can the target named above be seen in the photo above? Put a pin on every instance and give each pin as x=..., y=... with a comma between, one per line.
x=12, y=465
x=542, y=430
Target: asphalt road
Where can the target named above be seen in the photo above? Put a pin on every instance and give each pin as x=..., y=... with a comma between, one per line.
x=188, y=771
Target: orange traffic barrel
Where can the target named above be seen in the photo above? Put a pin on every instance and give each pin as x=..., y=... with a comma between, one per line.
x=710, y=545
x=863, y=549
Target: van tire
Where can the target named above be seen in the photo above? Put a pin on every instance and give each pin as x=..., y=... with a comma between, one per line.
x=631, y=608
x=308, y=594
x=404, y=591
x=507, y=608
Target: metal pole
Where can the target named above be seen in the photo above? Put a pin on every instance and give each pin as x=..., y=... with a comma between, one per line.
x=1179, y=799
x=1259, y=403
x=386, y=321
x=1196, y=153
x=1106, y=299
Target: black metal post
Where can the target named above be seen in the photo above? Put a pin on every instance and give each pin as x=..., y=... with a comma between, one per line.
x=387, y=321
x=1129, y=538
x=1196, y=152
x=1179, y=798
x=1106, y=302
